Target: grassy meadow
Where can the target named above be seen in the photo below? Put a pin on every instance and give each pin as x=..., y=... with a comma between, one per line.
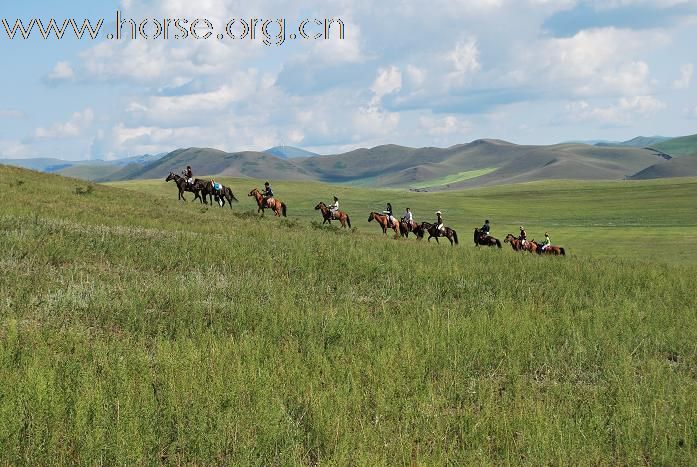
x=137, y=329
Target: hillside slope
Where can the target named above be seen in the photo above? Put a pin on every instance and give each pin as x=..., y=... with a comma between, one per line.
x=139, y=332
x=676, y=167
x=206, y=161
x=479, y=163
x=683, y=146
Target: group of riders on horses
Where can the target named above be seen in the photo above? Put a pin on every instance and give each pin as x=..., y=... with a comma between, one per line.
x=332, y=212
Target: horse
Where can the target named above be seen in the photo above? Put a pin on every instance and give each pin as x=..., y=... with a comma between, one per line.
x=275, y=205
x=183, y=186
x=221, y=196
x=385, y=223
x=226, y=194
x=551, y=250
x=434, y=232
x=406, y=227
x=481, y=238
x=513, y=240
x=328, y=215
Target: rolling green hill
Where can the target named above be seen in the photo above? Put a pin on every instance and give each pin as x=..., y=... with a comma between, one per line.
x=492, y=161
x=289, y=152
x=676, y=167
x=139, y=332
x=683, y=146
x=206, y=161
x=638, y=142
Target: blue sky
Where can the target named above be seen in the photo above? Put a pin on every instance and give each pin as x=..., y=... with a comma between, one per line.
x=432, y=73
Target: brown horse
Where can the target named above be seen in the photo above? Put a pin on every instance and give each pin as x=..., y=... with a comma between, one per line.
x=481, y=238
x=385, y=223
x=515, y=243
x=275, y=205
x=406, y=227
x=551, y=250
x=340, y=216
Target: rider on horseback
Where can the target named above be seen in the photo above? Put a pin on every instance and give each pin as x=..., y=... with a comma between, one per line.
x=547, y=243
x=409, y=218
x=388, y=211
x=486, y=228
x=334, y=208
x=268, y=193
x=523, y=237
x=189, y=174
x=439, y=222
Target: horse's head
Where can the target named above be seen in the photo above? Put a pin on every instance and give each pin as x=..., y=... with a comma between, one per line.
x=321, y=205
x=509, y=238
x=254, y=192
x=371, y=217
x=171, y=176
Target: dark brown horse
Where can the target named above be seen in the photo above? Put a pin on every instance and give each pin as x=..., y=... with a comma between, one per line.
x=226, y=194
x=434, y=232
x=328, y=216
x=183, y=186
x=481, y=238
x=406, y=227
x=275, y=205
x=385, y=223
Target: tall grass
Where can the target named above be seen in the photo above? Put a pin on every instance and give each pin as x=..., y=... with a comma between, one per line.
x=140, y=330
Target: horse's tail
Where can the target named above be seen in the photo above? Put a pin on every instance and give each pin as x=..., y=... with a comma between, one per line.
x=283, y=208
x=455, y=237
x=348, y=221
x=561, y=250
x=498, y=243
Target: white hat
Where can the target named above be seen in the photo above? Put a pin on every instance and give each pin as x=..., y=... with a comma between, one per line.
x=438, y=212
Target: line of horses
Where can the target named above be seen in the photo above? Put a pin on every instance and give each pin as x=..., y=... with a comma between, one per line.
x=205, y=191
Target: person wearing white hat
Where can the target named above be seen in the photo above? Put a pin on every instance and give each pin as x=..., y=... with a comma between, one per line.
x=439, y=221
x=523, y=236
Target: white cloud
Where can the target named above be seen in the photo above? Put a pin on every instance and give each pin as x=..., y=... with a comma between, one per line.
x=597, y=62
x=74, y=127
x=62, y=71
x=449, y=125
x=465, y=57
x=623, y=112
x=686, y=72
x=388, y=81
x=14, y=149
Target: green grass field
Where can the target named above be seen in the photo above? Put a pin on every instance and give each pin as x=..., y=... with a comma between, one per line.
x=454, y=178
x=138, y=329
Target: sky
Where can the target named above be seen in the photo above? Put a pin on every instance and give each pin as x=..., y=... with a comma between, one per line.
x=413, y=73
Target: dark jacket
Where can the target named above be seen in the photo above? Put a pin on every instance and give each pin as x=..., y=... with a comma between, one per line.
x=268, y=192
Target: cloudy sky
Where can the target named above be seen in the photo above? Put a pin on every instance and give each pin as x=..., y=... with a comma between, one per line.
x=431, y=73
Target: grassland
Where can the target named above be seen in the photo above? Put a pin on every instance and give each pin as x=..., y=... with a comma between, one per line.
x=458, y=177
x=138, y=329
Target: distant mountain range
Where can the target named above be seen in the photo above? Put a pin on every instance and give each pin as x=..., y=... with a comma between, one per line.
x=89, y=170
x=289, y=152
x=638, y=142
x=479, y=163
